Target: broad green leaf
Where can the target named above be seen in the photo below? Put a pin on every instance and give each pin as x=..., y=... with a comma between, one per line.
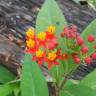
x=90, y=80
x=7, y=89
x=5, y=75
x=32, y=82
x=78, y=90
x=91, y=29
x=50, y=14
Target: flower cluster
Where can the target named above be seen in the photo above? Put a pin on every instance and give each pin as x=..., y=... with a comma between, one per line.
x=45, y=48
x=76, y=43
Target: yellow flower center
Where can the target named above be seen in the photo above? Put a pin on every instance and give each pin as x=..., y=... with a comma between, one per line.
x=42, y=35
x=39, y=53
x=30, y=43
x=51, y=29
x=30, y=33
x=52, y=56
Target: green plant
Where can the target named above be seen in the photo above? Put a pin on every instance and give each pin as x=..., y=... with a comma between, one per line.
x=58, y=47
x=92, y=3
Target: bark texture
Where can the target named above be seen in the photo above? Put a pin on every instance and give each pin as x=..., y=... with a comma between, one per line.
x=17, y=15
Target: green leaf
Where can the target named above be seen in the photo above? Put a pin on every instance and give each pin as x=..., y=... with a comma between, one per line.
x=91, y=29
x=16, y=91
x=5, y=75
x=57, y=74
x=78, y=90
x=90, y=80
x=32, y=82
x=68, y=66
x=64, y=67
x=7, y=89
x=71, y=82
x=50, y=14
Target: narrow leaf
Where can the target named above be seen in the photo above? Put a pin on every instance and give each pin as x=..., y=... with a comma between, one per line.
x=33, y=82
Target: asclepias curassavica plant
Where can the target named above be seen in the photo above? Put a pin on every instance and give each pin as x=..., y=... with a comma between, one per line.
x=58, y=46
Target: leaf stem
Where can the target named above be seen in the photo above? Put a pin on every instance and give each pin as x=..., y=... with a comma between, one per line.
x=63, y=82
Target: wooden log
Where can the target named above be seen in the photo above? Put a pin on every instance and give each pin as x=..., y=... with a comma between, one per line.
x=10, y=54
x=15, y=24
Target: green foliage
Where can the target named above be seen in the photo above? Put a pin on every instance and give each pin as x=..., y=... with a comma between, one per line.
x=32, y=82
x=32, y=79
x=78, y=90
x=50, y=14
x=5, y=75
x=85, y=87
x=90, y=80
x=7, y=89
x=92, y=3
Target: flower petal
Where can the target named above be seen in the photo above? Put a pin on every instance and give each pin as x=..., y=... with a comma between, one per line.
x=56, y=63
x=50, y=65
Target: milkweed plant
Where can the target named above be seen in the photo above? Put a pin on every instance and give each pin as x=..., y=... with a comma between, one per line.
x=59, y=47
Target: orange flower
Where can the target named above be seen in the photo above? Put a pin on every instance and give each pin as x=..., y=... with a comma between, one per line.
x=39, y=57
x=64, y=56
x=51, y=32
x=51, y=29
x=30, y=33
x=42, y=36
x=39, y=53
x=51, y=59
x=31, y=46
x=42, y=39
x=30, y=43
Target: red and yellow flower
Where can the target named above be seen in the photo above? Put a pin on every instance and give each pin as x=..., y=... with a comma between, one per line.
x=31, y=46
x=51, y=32
x=51, y=59
x=51, y=51
x=39, y=56
x=42, y=39
x=30, y=33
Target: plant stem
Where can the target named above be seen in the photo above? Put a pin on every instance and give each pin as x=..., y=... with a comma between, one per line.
x=63, y=83
x=57, y=92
